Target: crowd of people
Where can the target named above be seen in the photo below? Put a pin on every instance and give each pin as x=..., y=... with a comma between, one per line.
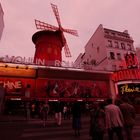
x=113, y=118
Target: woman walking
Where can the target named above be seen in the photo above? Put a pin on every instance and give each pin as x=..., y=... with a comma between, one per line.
x=97, y=122
x=44, y=112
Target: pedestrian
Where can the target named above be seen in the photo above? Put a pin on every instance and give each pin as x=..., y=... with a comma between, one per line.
x=2, y=96
x=87, y=108
x=114, y=120
x=68, y=111
x=129, y=114
x=58, y=112
x=65, y=109
x=44, y=111
x=27, y=111
x=97, y=122
x=76, y=118
x=33, y=106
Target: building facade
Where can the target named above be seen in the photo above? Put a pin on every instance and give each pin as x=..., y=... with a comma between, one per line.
x=1, y=21
x=106, y=50
x=138, y=53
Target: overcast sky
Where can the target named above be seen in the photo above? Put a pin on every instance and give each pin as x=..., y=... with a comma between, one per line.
x=82, y=15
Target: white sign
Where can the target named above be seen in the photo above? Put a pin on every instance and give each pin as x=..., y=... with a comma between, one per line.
x=42, y=62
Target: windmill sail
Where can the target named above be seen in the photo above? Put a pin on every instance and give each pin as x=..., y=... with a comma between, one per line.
x=45, y=26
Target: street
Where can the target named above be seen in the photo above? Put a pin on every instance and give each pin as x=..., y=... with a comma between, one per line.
x=34, y=130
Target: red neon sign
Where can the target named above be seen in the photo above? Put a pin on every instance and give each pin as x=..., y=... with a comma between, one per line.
x=131, y=60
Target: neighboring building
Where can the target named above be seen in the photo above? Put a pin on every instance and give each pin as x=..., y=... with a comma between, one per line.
x=138, y=53
x=1, y=21
x=106, y=50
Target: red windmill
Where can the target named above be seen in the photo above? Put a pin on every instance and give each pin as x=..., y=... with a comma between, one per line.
x=46, y=26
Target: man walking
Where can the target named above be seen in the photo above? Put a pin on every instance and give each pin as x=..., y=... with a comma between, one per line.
x=114, y=120
x=128, y=112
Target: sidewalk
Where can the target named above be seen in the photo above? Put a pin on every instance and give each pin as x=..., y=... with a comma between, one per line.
x=13, y=118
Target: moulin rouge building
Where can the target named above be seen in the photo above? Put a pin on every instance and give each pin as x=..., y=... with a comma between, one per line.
x=49, y=80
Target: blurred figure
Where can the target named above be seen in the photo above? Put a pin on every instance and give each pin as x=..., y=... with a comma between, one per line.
x=44, y=112
x=68, y=111
x=97, y=122
x=114, y=120
x=87, y=108
x=27, y=111
x=129, y=114
x=65, y=109
x=33, y=106
x=27, y=91
x=58, y=113
x=76, y=118
x=2, y=95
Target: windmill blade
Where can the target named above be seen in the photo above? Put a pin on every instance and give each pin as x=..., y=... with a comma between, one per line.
x=45, y=26
x=63, y=39
x=56, y=13
x=73, y=32
x=65, y=45
x=67, y=51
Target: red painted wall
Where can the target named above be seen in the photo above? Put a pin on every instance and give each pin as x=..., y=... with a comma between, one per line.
x=55, y=88
x=48, y=46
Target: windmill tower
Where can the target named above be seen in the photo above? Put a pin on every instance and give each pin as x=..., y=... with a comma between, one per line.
x=50, y=40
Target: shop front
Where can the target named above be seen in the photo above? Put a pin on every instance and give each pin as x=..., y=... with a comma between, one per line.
x=127, y=83
x=35, y=84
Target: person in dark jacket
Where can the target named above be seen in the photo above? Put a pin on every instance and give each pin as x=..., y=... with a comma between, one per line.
x=97, y=122
x=129, y=114
x=58, y=112
x=76, y=118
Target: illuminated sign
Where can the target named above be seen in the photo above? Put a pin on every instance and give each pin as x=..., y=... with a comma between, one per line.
x=131, y=60
x=128, y=74
x=129, y=88
x=43, y=62
x=10, y=85
x=30, y=60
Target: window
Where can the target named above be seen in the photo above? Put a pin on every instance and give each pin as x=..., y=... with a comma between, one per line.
x=121, y=67
x=112, y=56
x=87, y=61
x=129, y=47
x=98, y=49
x=110, y=43
x=123, y=46
x=106, y=32
x=49, y=50
x=114, y=67
x=118, y=56
x=113, y=34
x=93, y=62
x=116, y=44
